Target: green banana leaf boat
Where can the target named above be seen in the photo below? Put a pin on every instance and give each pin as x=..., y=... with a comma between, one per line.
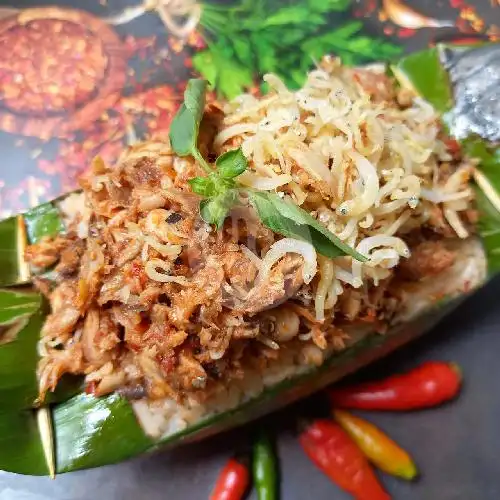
x=74, y=430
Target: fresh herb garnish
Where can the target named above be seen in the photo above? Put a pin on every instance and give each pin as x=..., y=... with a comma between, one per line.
x=286, y=218
x=186, y=123
x=231, y=164
x=222, y=192
x=214, y=210
x=219, y=187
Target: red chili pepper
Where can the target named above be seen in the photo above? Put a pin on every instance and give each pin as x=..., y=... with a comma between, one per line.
x=428, y=385
x=232, y=482
x=333, y=451
x=91, y=387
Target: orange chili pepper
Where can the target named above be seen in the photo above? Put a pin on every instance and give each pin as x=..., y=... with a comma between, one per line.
x=379, y=448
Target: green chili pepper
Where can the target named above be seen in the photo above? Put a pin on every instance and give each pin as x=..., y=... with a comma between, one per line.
x=264, y=468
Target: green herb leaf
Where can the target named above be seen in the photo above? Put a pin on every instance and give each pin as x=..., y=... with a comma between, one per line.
x=194, y=97
x=234, y=78
x=203, y=186
x=286, y=218
x=252, y=37
x=243, y=51
x=205, y=64
x=351, y=48
x=183, y=132
x=228, y=75
x=373, y=49
x=294, y=14
x=186, y=123
x=214, y=210
x=265, y=52
x=231, y=164
x=347, y=30
x=329, y=5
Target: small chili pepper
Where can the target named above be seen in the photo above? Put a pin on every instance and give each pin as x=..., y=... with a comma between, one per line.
x=233, y=481
x=333, y=451
x=428, y=385
x=91, y=387
x=265, y=471
x=380, y=449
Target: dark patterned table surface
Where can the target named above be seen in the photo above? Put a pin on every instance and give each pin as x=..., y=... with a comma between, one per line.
x=457, y=447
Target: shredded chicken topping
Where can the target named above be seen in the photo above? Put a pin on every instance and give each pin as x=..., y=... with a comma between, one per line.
x=150, y=300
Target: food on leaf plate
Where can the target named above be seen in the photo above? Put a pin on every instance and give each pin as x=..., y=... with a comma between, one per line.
x=272, y=245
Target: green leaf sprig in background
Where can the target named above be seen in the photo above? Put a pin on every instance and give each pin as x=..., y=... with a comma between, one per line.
x=255, y=37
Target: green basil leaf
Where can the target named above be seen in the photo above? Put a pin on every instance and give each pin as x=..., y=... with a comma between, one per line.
x=329, y=5
x=231, y=164
x=186, y=123
x=294, y=14
x=222, y=185
x=194, y=97
x=203, y=186
x=183, y=132
x=286, y=218
x=214, y=210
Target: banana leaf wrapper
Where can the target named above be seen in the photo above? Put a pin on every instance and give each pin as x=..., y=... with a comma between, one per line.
x=78, y=431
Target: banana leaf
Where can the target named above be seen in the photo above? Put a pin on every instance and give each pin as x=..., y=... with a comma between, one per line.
x=12, y=244
x=91, y=432
x=21, y=320
x=18, y=355
x=21, y=445
x=19, y=231
x=41, y=221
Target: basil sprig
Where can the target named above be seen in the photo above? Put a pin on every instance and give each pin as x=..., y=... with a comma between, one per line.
x=286, y=218
x=186, y=123
x=221, y=191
